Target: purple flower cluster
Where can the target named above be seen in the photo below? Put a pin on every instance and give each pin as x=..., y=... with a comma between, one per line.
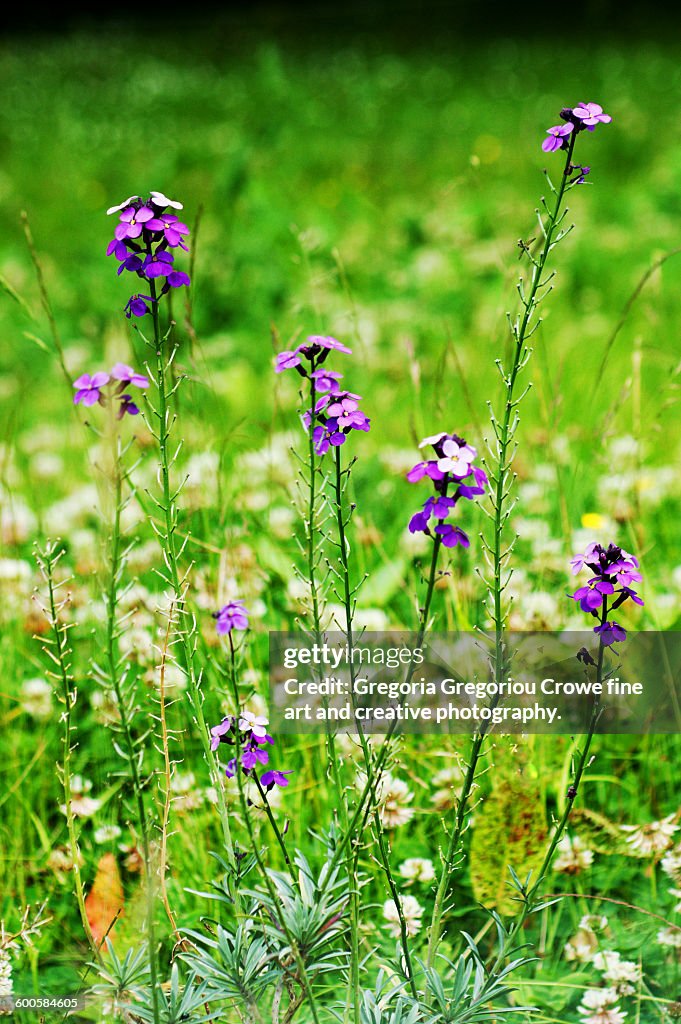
x=90, y=389
x=613, y=573
x=451, y=467
x=583, y=116
x=142, y=241
x=232, y=616
x=337, y=412
x=250, y=731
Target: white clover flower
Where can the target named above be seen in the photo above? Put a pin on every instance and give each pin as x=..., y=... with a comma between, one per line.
x=677, y=894
x=623, y=974
x=5, y=973
x=652, y=838
x=607, y=1015
x=36, y=698
x=597, y=998
x=573, y=856
x=394, y=795
x=82, y=806
x=417, y=869
x=411, y=911
x=594, y=922
x=582, y=947
x=106, y=833
x=669, y=937
x=671, y=863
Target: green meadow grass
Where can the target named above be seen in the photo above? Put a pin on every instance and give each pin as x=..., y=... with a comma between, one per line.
x=378, y=196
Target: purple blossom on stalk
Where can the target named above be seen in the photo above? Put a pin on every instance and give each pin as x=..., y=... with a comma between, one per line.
x=591, y=114
x=335, y=414
x=126, y=375
x=248, y=732
x=326, y=380
x=613, y=571
x=273, y=777
x=231, y=616
x=137, y=305
x=315, y=348
x=557, y=138
x=89, y=388
x=583, y=116
x=127, y=405
x=141, y=240
x=452, y=466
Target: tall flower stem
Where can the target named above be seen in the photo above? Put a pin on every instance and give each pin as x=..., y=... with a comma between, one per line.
x=531, y=895
x=382, y=754
x=186, y=628
x=501, y=479
x=295, y=951
x=134, y=753
x=380, y=836
x=504, y=431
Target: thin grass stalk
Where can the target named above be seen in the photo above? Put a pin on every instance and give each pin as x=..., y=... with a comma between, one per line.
x=61, y=658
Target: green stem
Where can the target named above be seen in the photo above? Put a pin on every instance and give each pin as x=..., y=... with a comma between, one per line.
x=300, y=963
x=504, y=433
x=169, y=545
x=47, y=562
x=378, y=826
x=126, y=725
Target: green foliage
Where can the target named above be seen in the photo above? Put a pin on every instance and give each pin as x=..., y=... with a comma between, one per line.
x=509, y=833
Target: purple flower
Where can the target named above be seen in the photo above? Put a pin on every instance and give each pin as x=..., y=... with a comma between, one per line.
x=453, y=464
x=327, y=435
x=221, y=732
x=557, y=137
x=335, y=415
x=591, y=114
x=320, y=341
x=231, y=616
x=117, y=249
x=127, y=405
x=344, y=407
x=613, y=570
x=170, y=228
x=137, y=305
x=132, y=221
x=126, y=375
x=326, y=380
x=287, y=360
x=175, y=279
x=140, y=244
x=610, y=633
x=274, y=777
x=316, y=346
x=89, y=388
x=159, y=264
x=452, y=535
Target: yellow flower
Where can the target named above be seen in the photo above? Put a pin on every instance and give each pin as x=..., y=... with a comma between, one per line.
x=593, y=521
